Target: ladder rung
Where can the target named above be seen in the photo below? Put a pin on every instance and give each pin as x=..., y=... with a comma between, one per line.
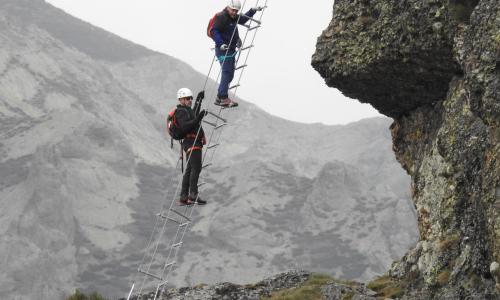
x=253, y=20
x=206, y=166
x=213, y=146
x=168, y=218
x=234, y=86
x=170, y=264
x=210, y=123
x=163, y=283
x=177, y=245
x=201, y=184
x=180, y=214
x=218, y=117
x=149, y=274
x=253, y=28
x=246, y=48
x=221, y=125
x=241, y=67
x=175, y=221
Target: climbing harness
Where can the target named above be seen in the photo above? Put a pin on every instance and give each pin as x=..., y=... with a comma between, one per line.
x=153, y=264
x=222, y=58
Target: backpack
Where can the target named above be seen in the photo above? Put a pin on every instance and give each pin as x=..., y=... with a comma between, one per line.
x=173, y=128
x=211, y=25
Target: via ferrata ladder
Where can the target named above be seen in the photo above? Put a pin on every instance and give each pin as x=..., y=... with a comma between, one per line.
x=154, y=265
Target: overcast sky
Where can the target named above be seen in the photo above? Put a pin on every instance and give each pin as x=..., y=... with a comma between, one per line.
x=279, y=78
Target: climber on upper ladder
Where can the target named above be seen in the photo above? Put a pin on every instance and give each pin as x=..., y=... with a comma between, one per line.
x=223, y=29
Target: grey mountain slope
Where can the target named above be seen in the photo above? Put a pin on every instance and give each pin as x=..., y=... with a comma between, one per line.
x=85, y=165
x=93, y=41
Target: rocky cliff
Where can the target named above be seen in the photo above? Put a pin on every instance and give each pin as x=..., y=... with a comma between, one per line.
x=85, y=165
x=433, y=66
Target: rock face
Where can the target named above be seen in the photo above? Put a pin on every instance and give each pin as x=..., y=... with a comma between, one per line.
x=230, y=291
x=85, y=165
x=433, y=66
x=291, y=281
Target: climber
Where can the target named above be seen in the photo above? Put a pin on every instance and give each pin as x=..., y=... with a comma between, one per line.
x=189, y=122
x=223, y=30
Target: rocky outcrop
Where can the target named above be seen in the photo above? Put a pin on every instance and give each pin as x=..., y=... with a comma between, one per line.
x=433, y=66
x=296, y=283
x=231, y=291
x=85, y=165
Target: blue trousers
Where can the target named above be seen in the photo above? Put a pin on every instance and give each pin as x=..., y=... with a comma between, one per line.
x=227, y=63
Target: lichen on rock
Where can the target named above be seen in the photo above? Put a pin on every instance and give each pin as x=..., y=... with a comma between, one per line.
x=433, y=66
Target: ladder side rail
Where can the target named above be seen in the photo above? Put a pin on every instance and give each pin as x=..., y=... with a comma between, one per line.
x=236, y=62
x=158, y=241
x=204, y=157
x=247, y=31
x=250, y=49
x=169, y=267
x=153, y=256
x=239, y=79
x=173, y=247
x=220, y=110
x=230, y=42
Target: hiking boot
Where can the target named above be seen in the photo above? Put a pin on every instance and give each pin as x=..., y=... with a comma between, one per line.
x=197, y=200
x=225, y=102
x=184, y=200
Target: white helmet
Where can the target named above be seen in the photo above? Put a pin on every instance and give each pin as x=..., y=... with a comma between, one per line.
x=184, y=93
x=234, y=4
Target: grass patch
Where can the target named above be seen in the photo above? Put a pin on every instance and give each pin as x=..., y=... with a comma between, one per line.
x=387, y=287
x=310, y=290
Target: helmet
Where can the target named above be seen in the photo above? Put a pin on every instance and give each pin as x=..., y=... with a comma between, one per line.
x=183, y=93
x=234, y=4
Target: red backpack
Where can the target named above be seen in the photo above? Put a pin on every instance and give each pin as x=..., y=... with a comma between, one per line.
x=173, y=128
x=211, y=25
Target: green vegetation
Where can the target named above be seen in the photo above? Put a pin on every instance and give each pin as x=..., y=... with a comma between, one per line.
x=81, y=296
x=387, y=287
x=310, y=290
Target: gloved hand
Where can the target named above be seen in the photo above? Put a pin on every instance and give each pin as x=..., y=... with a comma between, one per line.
x=224, y=47
x=201, y=115
x=258, y=8
x=201, y=96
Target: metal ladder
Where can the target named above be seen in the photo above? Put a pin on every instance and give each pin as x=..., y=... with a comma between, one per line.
x=158, y=267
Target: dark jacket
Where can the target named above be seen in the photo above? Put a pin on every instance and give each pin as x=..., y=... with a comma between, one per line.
x=225, y=25
x=189, y=124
